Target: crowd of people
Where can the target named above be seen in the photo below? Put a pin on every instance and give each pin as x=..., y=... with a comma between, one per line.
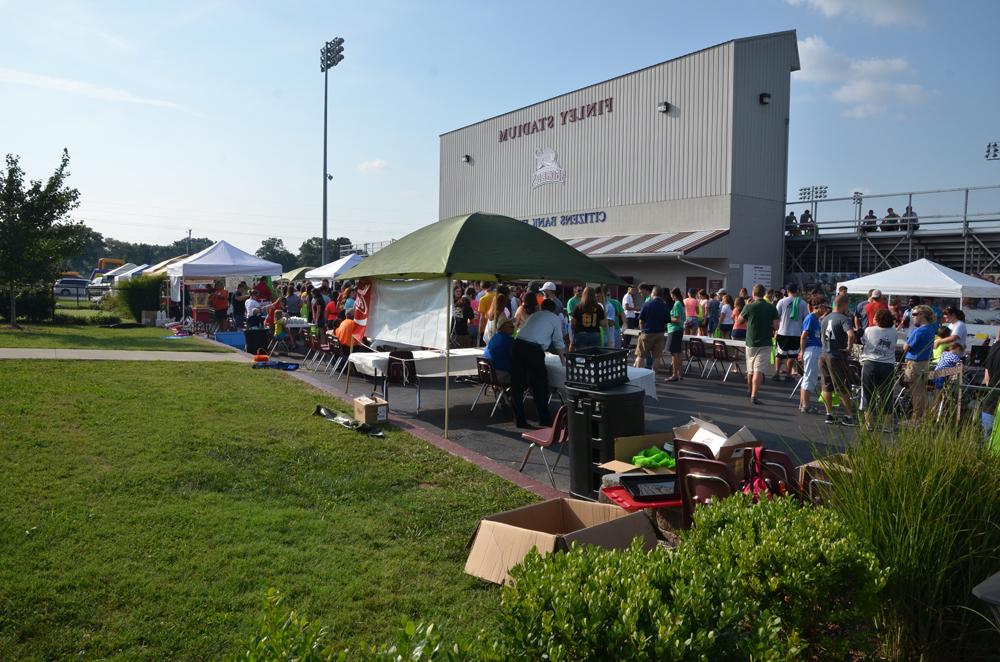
x=891, y=222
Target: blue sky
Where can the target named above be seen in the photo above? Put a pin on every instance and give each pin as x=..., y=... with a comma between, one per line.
x=208, y=114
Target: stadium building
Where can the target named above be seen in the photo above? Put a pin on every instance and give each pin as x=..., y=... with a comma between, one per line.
x=674, y=174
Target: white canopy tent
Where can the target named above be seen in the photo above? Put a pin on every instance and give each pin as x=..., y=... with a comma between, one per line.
x=126, y=275
x=924, y=278
x=220, y=260
x=332, y=270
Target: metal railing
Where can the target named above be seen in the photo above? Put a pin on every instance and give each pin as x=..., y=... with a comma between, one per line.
x=367, y=248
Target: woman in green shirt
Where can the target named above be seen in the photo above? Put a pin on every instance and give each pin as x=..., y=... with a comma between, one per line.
x=675, y=334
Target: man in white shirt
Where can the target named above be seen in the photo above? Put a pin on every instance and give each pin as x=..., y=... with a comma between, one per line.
x=631, y=321
x=792, y=310
x=542, y=330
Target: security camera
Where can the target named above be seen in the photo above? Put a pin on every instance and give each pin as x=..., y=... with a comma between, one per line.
x=329, y=177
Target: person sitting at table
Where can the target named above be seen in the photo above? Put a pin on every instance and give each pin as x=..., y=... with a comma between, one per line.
x=499, y=349
x=950, y=358
x=345, y=334
x=280, y=333
x=255, y=311
x=544, y=329
x=276, y=305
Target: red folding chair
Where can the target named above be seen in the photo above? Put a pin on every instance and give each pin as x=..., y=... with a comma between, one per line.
x=703, y=482
x=544, y=438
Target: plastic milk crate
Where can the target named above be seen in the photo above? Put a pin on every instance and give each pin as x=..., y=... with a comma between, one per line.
x=596, y=368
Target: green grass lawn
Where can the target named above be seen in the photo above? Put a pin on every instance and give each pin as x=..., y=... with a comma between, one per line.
x=147, y=508
x=58, y=336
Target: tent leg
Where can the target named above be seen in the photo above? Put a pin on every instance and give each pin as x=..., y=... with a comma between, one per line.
x=447, y=353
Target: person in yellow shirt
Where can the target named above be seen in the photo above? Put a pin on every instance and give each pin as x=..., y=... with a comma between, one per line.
x=485, y=305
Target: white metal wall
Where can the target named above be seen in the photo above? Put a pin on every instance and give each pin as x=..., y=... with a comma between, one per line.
x=634, y=155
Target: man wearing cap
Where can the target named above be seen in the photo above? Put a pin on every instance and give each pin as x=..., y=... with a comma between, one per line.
x=876, y=303
x=542, y=330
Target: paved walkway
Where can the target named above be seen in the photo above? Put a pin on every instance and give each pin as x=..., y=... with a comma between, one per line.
x=118, y=355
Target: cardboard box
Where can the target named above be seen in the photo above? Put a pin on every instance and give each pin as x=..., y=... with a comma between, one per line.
x=726, y=448
x=820, y=469
x=371, y=410
x=628, y=447
x=501, y=541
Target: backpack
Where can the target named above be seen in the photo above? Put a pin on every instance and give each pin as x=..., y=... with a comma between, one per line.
x=758, y=484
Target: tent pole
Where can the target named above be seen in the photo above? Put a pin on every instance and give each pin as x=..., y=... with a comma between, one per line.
x=447, y=352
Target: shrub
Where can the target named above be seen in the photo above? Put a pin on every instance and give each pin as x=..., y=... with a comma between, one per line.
x=88, y=320
x=928, y=504
x=774, y=581
x=141, y=293
x=35, y=304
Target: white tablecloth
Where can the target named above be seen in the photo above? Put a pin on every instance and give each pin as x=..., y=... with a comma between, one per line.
x=641, y=377
x=428, y=362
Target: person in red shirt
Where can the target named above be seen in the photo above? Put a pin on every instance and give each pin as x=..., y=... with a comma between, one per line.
x=332, y=312
x=875, y=303
x=219, y=301
x=263, y=290
x=277, y=305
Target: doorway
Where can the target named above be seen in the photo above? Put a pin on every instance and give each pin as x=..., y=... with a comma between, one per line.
x=696, y=283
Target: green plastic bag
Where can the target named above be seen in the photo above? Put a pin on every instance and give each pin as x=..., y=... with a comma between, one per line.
x=654, y=458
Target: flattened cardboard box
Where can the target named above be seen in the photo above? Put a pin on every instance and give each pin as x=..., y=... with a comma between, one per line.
x=628, y=447
x=371, y=410
x=502, y=541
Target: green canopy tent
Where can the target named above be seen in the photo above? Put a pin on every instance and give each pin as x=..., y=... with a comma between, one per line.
x=299, y=273
x=480, y=247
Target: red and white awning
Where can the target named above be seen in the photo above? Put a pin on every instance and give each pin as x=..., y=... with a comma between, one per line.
x=648, y=245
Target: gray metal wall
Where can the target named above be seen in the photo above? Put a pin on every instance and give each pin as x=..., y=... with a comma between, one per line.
x=634, y=155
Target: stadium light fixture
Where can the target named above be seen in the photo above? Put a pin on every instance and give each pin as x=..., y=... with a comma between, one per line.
x=330, y=56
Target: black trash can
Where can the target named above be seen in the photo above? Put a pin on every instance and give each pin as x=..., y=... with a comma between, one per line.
x=596, y=418
x=257, y=340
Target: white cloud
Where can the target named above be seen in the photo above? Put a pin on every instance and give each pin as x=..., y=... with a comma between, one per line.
x=879, y=12
x=868, y=98
x=868, y=86
x=85, y=89
x=373, y=166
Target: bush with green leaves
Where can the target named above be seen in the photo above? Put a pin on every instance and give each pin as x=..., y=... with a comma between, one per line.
x=141, y=293
x=35, y=304
x=774, y=581
x=927, y=502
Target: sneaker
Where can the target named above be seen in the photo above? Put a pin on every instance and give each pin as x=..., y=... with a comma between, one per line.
x=848, y=421
x=755, y=400
x=829, y=419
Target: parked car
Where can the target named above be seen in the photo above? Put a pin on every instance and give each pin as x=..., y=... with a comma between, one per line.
x=71, y=287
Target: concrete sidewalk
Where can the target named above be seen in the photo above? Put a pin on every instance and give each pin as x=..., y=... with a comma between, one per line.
x=118, y=355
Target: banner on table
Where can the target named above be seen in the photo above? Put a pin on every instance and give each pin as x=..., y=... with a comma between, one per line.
x=362, y=308
x=413, y=312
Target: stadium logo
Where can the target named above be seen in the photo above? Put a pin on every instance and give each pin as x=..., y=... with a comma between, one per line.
x=547, y=168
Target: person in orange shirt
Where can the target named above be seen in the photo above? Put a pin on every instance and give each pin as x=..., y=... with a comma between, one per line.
x=345, y=334
x=219, y=301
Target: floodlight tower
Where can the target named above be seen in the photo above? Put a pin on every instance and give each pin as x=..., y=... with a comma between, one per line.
x=330, y=56
x=992, y=151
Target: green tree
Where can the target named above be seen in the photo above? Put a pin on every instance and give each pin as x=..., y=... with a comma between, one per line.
x=92, y=249
x=311, y=253
x=36, y=233
x=273, y=249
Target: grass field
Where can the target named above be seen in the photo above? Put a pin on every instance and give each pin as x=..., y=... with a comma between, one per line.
x=94, y=337
x=148, y=508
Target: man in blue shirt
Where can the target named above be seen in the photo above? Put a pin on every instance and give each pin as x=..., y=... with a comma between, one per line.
x=918, y=347
x=498, y=351
x=652, y=325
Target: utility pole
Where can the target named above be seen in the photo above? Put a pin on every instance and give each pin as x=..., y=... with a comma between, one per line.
x=329, y=57
x=189, y=241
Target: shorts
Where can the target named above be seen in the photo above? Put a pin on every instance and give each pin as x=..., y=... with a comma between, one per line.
x=650, y=344
x=675, y=342
x=758, y=358
x=810, y=369
x=876, y=385
x=691, y=323
x=712, y=325
x=834, y=374
x=739, y=334
x=221, y=314
x=789, y=346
